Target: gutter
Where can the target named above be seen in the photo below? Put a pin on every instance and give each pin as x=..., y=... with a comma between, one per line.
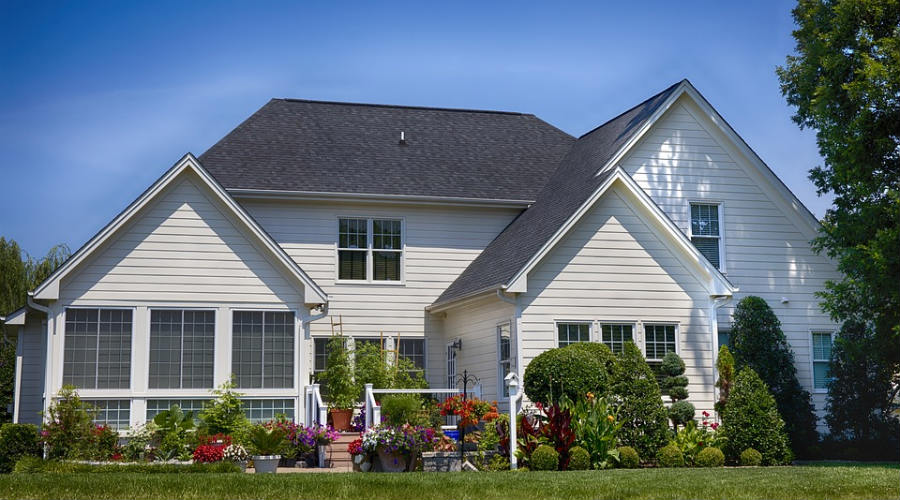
x=375, y=197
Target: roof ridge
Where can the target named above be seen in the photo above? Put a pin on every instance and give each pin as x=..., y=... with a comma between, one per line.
x=645, y=101
x=402, y=106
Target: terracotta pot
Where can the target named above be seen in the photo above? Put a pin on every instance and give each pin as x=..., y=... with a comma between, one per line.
x=392, y=461
x=340, y=419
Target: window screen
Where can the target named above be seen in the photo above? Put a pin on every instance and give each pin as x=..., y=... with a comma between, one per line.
x=705, y=232
x=821, y=359
x=263, y=349
x=97, y=348
x=615, y=336
x=659, y=340
x=570, y=333
x=116, y=413
x=182, y=349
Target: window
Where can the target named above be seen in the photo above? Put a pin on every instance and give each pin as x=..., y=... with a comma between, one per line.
x=504, y=359
x=451, y=365
x=320, y=354
x=706, y=232
x=98, y=348
x=263, y=410
x=724, y=339
x=821, y=348
x=615, y=336
x=182, y=349
x=659, y=340
x=155, y=406
x=413, y=350
x=370, y=249
x=263, y=349
x=116, y=413
x=570, y=333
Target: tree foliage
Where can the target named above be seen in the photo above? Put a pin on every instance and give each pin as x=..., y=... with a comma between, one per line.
x=645, y=419
x=844, y=81
x=571, y=371
x=760, y=344
x=751, y=420
x=725, y=367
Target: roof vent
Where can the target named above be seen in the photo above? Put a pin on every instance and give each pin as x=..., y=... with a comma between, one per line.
x=402, y=138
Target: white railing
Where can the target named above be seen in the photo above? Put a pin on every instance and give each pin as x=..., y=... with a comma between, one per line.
x=316, y=411
x=373, y=410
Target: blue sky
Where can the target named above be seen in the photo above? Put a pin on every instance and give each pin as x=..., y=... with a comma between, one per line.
x=98, y=100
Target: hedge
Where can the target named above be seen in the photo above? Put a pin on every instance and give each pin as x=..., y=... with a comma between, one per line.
x=33, y=465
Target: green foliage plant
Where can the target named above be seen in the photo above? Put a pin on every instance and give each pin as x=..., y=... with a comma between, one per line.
x=710, y=457
x=400, y=409
x=725, y=367
x=225, y=414
x=579, y=459
x=675, y=385
x=596, y=428
x=639, y=406
x=174, y=430
x=17, y=441
x=68, y=426
x=670, y=456
x=340, y=385
x=266, y=441
x=751, y=420
x=628, y=457
x=751, y=458
x=544, y=458
x=570, y=371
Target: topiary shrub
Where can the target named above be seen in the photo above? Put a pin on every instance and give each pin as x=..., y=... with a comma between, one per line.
x=751, y=420
x=573, y=370
x=710, y=457
x=17, y=441
x=579, y=459
x=675, y=385
x=628, y=458
x=670, y=456
x=544, y=457
x=751, y=458
x=645, y=421
x=759, y=343
x=681, y=413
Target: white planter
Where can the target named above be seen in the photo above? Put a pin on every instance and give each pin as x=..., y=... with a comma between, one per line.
x=266, y=464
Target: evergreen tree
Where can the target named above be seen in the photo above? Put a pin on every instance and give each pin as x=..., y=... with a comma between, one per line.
x=751, y=420
x=760, y=344
x=645, y=420
x=725, y=367
x=675, y=385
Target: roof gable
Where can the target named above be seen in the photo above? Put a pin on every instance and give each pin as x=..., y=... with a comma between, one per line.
x=49, y=289
x=292, y=145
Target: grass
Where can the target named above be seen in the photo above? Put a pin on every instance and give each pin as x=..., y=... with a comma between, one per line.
x=802, y=482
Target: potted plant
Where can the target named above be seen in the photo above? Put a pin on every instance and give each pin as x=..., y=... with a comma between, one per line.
x=236, y=454
x=339, y=384
x=267, y=445
x=397, y=447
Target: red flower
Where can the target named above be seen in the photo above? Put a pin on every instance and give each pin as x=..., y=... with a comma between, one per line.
x=207, y=453
x=715, y=426
x=705, y=414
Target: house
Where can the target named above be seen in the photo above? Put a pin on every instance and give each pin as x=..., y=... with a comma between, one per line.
x=465, y=239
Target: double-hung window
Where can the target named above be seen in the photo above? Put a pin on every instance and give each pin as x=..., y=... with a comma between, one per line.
x=262, y=354
x=615, y=336
x=370, y=249
x=821, y=349
x=504, y=357
x=413, y=350
x=571, y=333
x=706, y=231
x=182, y=349
x=659, y=340
x=97, y=353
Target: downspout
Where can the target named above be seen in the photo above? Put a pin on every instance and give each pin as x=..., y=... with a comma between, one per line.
x=717, y=302
x=312, y=399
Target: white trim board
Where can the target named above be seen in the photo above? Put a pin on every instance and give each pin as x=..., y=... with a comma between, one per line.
x=49, y=289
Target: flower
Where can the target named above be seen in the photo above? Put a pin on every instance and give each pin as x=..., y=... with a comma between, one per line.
x=235, y=453
x=356, y=447
x=715, y=426
x=610, y=418
x=705, y=414
x=590, y=395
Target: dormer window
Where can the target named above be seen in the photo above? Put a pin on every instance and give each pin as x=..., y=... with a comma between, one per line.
x=370, y=250
x=706, y=231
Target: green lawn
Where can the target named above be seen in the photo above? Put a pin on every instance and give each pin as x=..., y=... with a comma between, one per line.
x=802, y=482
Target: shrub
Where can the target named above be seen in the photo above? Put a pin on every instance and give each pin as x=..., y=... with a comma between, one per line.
x=173, y=431
x=645, y=421
x=225, y=414
x=628, y=458
x=670, y=456
x=544, y=458
x=33, y=465
x=570, y=371
x=209, y=453
x=399, y=409
x=675, y=385
x=759, y=343
x=579, y=459
x=725, y=367
x=710, y=457
x=751, y=420
x=751, y=458
x=69, y=425
x=681, y=412
x=17, y=441
x=340, y=385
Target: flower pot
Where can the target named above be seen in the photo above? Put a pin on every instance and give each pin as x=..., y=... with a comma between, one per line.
x=266, y=464
x=391, y=461
x=242, y=464
x=320, y=452
x=340, y=419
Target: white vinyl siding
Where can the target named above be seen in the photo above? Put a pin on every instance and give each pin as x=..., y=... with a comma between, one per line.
x=32, y=347
x=821, y=360
x=685, y=159
x=614, y=268
x=98, y=348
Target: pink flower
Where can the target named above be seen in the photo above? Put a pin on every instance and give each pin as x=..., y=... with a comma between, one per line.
x=706, y=414
x=715, y=425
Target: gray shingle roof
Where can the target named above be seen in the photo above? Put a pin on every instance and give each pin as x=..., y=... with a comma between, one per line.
x=317, y=146
x=569, y=187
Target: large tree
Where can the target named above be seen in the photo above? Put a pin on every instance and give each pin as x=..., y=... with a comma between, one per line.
x=844, y=81
x=19, y=273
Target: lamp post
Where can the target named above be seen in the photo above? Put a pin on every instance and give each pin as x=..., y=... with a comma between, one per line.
x=512, y=384
x=465, y=379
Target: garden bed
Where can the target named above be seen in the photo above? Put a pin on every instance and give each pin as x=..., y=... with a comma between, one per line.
x=807, y=482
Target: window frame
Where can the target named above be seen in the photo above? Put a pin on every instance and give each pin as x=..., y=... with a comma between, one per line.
x=424, y=340
x=98, y=391
x=263, y=392
x=370, y=251
x=634, y=327
x=721, y=237
x=502, y=389
x=216, y=345
x=645, y=324
x=813, y=360
x=557, y=322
